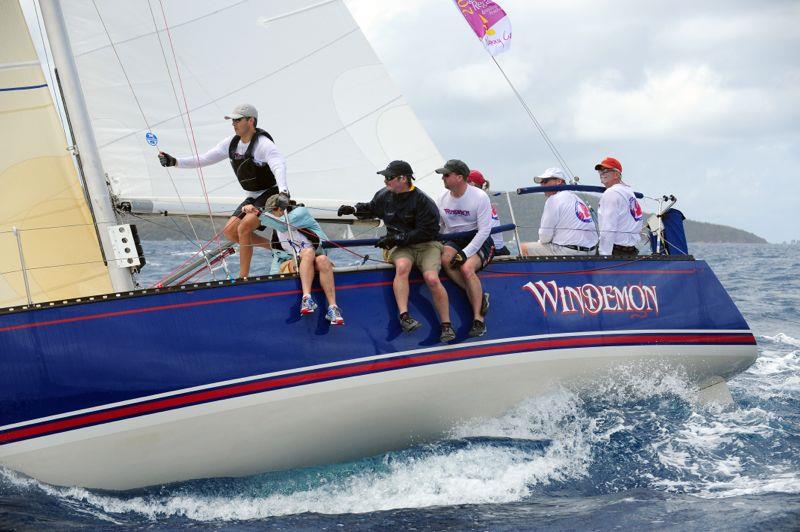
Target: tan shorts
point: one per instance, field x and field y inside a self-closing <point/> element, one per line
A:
<point x="426" y="256"/>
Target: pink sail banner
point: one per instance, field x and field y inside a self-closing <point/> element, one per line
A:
<point x="489" y="22"/>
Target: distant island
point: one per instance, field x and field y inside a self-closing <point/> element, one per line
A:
<point x="702" y="232"/>
<point x="528" y="211"/>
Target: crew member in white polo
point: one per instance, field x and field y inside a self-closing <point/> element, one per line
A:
<point x="619" y="214"/>
<point x="567" y="227"/>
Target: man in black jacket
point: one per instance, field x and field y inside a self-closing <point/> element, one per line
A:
<point x="412" y="228"/>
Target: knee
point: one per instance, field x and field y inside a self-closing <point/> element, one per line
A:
<point x="402" y="269"/>
<point x="431" y="279"/>
<point x="323" y="263"/>
<point x="467" y="271"/>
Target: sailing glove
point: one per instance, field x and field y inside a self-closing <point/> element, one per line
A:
<point x="166" y="159"/>
<point x="345" y="209"/>
<point x="390" y="241"/>
<point x="458" y="259"/>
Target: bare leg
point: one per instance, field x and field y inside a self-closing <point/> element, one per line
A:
<point x="247" y="239"/>
<point x="325" y="269"/>
<point x="453" y="273"/>
<point x="306" y="270"/>
<point x="440" y="301"/>
<point x="474" y="289"/>
<point x="400" y="283"/>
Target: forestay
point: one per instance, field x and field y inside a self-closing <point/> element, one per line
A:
<point x="320" y="90"/>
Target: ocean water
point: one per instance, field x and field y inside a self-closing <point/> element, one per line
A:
<point x="640" y="457"/>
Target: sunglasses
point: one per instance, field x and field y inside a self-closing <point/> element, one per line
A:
<point x="235" y="120"/>
<point x="386" y="179"/>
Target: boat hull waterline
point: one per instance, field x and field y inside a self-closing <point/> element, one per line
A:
<point x="230" y="380"/>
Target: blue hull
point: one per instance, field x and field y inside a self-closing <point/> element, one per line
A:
<point x="61" y="360"/>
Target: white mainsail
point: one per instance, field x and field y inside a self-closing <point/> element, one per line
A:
<point x="55" y="253"/>
<point x="320" y="90"/>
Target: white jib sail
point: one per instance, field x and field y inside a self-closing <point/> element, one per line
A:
<point x="54" y="253"/>
<point x="318" y="86"/>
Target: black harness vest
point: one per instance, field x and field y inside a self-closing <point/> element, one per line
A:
<point x="252" y="176"/>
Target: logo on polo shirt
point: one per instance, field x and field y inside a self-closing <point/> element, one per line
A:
<point x="456" y="212"/>
<point x="635" y="209"/>
<point x="582" y="212"/>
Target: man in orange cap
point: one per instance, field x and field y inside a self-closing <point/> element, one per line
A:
<point x="619" y="214"/>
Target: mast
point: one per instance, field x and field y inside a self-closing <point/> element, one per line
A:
<point x="83" y="134"/>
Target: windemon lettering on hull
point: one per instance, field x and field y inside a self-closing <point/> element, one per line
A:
<point x="592" y="299"/>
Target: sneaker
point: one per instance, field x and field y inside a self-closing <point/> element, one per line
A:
<point x="448" y="334"/>
<point x="334" y="315"/>
<point x="478" y="329"/>
<point x="485" y="304"/>
<point x="408" y="323"/>
<point x="307" y="305"/>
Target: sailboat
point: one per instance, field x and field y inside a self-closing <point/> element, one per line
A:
<point x="107" y="385"/>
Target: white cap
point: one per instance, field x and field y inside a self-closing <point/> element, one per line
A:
<point x="551" y="173"/>
<point x="241" y="110"/>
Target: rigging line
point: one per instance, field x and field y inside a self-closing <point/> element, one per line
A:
<point x="234" y="91"/>
<point x="136" y="98"/>
<point x="176" y="228"/>
<point x="542" y="132"/>
<point x="190" y="21"/>
<point x="188" y="116"/>
<point x="325" y="137"/>
<point x="183" y="121"/>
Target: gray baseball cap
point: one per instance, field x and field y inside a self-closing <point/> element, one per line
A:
<point x="455" y="166"/>
<point x="242" y="110"/>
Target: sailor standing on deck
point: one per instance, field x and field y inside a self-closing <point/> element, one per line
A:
<point x="566" y="227"/>
<point x="464" y="208"/>
<point x="619" y="214"/>
<point x="260" y="169"/>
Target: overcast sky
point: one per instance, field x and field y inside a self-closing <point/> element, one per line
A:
<point x="696" y="99"/>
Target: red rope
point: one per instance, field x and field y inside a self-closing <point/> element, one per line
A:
<point x="189" y="119"/>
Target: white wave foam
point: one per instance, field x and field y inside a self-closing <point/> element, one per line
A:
<point x="479" y="473"/>
<point x="782" y="338"/>
<point x="699" y="455"/>
<point x="774" y="374"/>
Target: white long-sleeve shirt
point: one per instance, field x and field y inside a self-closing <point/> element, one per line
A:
<point x="567" y="221"/>
<point x="620" y="217"/>
<point x="472" y="211"/>
<point x="264" y="152"/>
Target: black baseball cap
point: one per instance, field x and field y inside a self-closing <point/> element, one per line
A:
<point x="455" y="166"/>
<point x="396" y="168"/>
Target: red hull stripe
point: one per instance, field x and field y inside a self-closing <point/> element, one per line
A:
<point x="250" y="297"/>
<point x="285" y="381"/>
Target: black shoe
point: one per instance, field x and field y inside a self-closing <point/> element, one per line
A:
<point x="485" y="304"/>
<point x="408" y="323"/>
<point x="478" y="329"/>
<point x="448" y="334"/>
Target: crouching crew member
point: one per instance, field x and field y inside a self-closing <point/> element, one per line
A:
<point x="412" y="228"/>
<point x="260" y="169"/>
